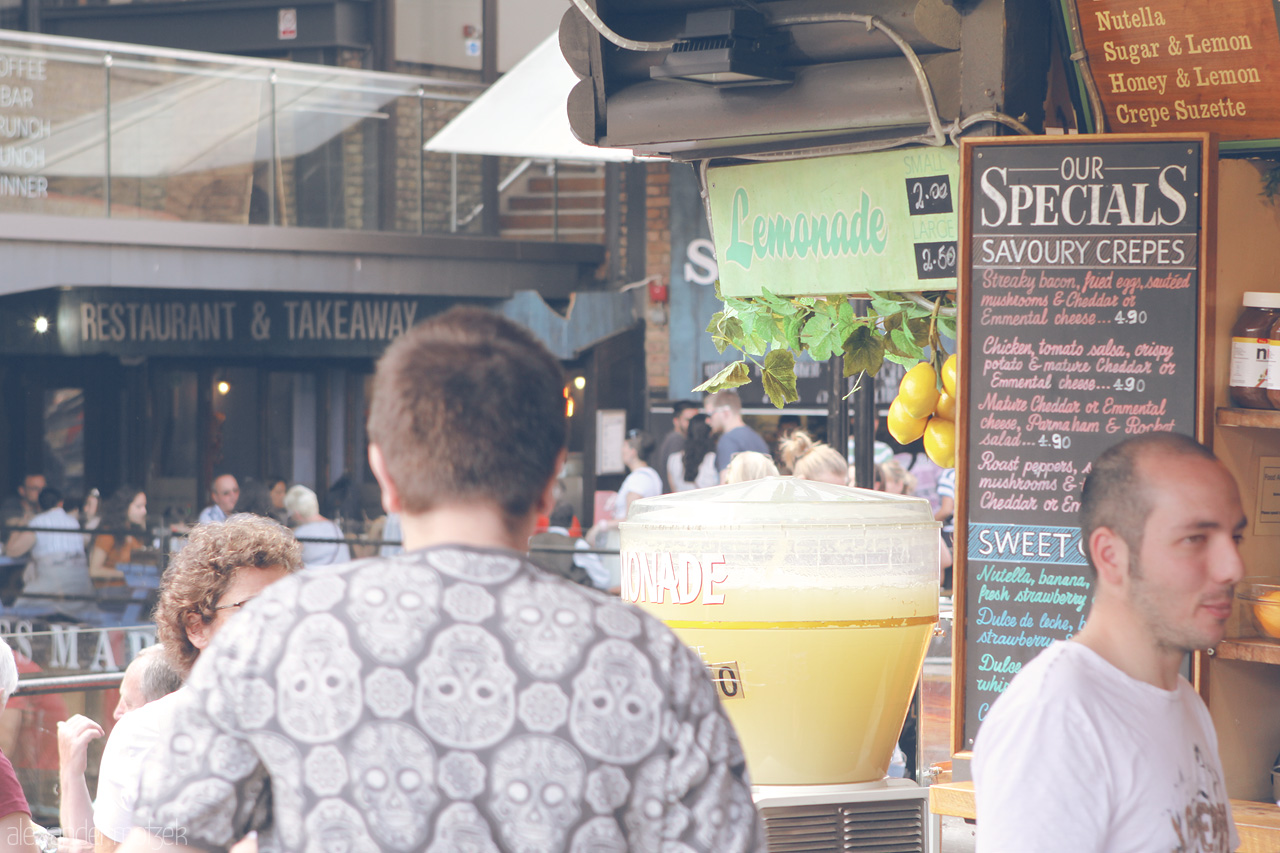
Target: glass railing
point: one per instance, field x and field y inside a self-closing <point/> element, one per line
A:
<point x="99" y="129"/>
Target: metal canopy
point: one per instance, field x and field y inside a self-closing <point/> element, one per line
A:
<point x="524" y="115"/>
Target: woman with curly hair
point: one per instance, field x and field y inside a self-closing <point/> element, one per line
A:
<point x="223" y="566"/>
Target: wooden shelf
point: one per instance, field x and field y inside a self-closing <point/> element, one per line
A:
<point x="1253" y="649"/>
<point x="1261" y="418"/>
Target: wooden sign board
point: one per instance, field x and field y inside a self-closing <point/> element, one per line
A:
<point x="1082" y="298"/>
<point x="1185" y="65"/>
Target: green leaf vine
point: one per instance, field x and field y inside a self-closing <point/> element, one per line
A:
<point x="770" y="331"/>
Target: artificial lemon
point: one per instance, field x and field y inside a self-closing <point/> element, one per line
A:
<point x="949" y="376"/>
<point x="918" y="390"/>
<point x="946" y="408"/>
<point x="1268" y="614"/>
<point x="940" y="442"/>
<point x="904" y="428"/>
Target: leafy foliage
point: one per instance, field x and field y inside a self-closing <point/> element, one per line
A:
<point x="777" y="328"/>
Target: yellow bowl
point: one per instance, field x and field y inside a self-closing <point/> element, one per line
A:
<point x="1262" y="598"/>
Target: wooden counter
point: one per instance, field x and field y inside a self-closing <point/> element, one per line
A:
<point x="1257" y="823"/>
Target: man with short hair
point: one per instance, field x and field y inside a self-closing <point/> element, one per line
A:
<point x="148" y="677"/>
<point x="56" y="578"/>
<point x="682" y="411"/>
<point x="225" y="493"/>
<point x="41" y="542"/>
<point x="455" y="696"/>
<point x="724" y="415"/>
<point x="223" y="567"/>
<point x="1099" y="744"/>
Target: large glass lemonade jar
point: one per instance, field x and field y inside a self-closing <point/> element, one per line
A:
<point x="812" y="604"/>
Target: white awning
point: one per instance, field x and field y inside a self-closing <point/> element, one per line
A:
<point x="523" y="115"/>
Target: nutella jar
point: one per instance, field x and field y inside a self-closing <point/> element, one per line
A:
<point x="1251" y="350"/>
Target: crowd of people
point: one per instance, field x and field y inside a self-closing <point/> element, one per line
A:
<point x="74" y="551"/>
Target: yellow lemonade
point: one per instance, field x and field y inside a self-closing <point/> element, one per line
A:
<point x="816" y="705"/>
<point x="817" y="681"/>
<point x="812" y="606"/>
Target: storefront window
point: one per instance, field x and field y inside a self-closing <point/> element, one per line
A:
<point x="171" y="474"/>
<point x="64" y="438"/>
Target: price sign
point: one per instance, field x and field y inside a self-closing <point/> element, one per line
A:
<point x="1081" y="293"/>
<point x="929" y="195"/>
<point x="936" y="260"/>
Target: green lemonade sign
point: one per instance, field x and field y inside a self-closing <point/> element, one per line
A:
<point x="884" y="221"/>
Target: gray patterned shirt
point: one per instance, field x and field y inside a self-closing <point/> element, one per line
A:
<point x="451" y="699"/>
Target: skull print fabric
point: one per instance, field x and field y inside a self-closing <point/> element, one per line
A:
<point x="451" y="699"/>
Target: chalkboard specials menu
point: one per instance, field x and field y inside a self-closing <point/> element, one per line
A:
<point x="1081" y="297"/>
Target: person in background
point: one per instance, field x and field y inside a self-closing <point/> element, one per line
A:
<point x="814" y="460"/>
<point x="90" y="516"/>
<point x="946" y="511"/>
<point x="52" y="514"/>
<point x="698" y="456"/>
<point x="681" y="413"/>
<point x="455" y="697"/>
<point x="749" y="465"/>
<point x="304" y="509"/>
<point x="1099" y="743"/>
<point x="895" y="479"/>
<point x="225" y="492"/>
<point x="56" y="579"/>
<point x="277" y="488"/>
<point x="223" y="567"/>
<point x="724" y="413"/>
<point x="19" y="508"/>
<point x="553" y="550"/>
<point x="124" y="516"/>
<point x="147" y="678"/>
<point x="255" y="498"/>
<point x="642" y="482"/>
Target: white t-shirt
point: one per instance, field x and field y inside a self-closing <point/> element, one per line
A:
<point x="643" y="483"/>
<point x="1078" y="757"/>
<point x="706" y="476"/>
<point x="121" y="768"/>
<point x="49" y="544"/>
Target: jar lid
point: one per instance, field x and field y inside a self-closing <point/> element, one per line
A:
<point x="1257" y="299"/>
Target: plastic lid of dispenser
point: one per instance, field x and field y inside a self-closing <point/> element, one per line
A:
<point x="787" y="501"/>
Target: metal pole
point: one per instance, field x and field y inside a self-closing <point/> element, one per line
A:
<point x="864" y="420"/>
<point x="555" y="200"/>
<point x="422" y="163"/>
<point x="838" y="407"/>
<point x="453" y="194"/>
<point x="106" y="189"/>
<point x="275" y="150"/>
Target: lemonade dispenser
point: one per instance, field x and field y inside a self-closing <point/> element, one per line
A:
<point x="811" y="604"/>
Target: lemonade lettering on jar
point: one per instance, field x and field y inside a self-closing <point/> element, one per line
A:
<point x="812" y="606"/>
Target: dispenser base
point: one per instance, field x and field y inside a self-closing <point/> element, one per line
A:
<point x="891" y="815"/>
